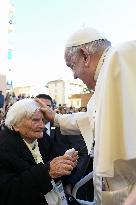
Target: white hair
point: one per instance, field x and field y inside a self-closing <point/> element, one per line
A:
<point x="19" y="110"/>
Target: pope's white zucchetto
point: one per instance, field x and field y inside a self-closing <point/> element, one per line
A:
<point x="83" y="36"/>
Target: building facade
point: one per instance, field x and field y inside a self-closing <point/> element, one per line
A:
<point x="61" y="90"/>
<point x="79" y="100"/>
<point x="5" y="28"/>
<point x="30" y="90"/>
<point x="4" y="14"/>
<point x="9" y="84"/>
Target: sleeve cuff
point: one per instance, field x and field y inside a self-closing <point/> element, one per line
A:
<point x="56" y="120"/>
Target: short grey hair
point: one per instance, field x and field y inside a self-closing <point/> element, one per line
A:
<point x="19" y="110"/>
<point x="92" y="47"/>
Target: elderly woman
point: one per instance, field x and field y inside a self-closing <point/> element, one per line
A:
<point x="25" y="177"/>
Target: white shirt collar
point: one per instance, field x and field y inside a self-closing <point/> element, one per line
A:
<point x="47" y="125"/>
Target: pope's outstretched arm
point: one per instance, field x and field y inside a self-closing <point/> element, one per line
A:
<point x="70" y="124"/>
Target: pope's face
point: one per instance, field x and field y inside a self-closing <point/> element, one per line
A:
<point x="81" y="71"/>
<point x="31" y="128"/>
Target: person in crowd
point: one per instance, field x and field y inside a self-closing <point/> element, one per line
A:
<point x="2" y="118"/>
<point x="25" y="175"/>
<point x="13" y="98"/>
<point x="19" y="97"/>
<point x="10" y="99"/>
<point x="58" y="144"/>
<point x="62" y="110"/>
<point x="1" y="99"/>
<point x="111" y="111"/>
<point x="82" y="109"/>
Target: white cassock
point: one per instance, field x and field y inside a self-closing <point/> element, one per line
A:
<point x="115" y="151"/>
<point x="115" y="125"/>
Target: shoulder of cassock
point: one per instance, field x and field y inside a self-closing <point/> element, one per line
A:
<point x="116" y="109"/>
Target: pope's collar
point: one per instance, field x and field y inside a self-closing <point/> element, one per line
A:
<point x="100" y="63"/>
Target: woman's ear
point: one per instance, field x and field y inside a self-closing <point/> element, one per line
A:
<point x="15" y="128"/>
<point x="85" y="54"/>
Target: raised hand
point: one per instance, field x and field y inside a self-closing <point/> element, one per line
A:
<point x="48" y="112"/>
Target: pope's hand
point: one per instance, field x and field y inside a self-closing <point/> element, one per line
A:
<point x="48" y="112"/>
<point x="62" y="165"/>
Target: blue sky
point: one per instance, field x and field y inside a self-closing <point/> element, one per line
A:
<point x="43" y="26"/>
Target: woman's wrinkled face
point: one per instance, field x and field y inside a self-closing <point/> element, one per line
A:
<point x="31" y="128"/>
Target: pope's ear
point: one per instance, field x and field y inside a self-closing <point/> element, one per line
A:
<point x="85" y="54"/>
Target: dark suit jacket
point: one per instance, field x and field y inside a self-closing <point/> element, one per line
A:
<point x="46" y="145"/>
<point x="57" y="144"/>
<point x="22" y="181"/>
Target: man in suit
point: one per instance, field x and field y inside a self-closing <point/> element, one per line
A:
<point x="25" y="175"/>
<point x="46" y="143"/>
<point x="58" y="144"/>
<point x="1" y="99"/>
